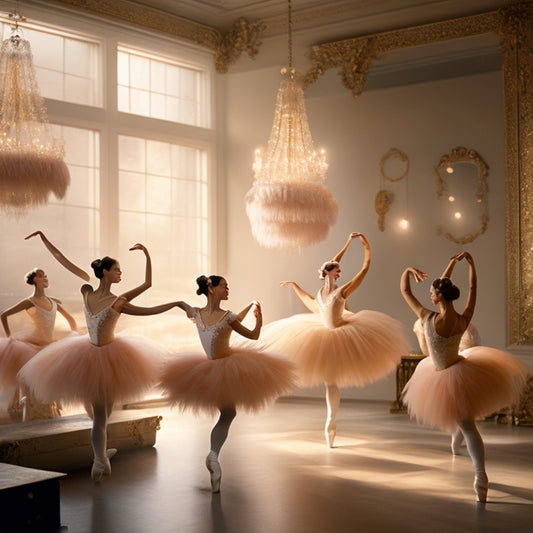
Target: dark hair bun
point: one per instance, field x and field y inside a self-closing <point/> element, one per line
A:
<point x="202" y="285"/>
<point x="448" y="290"/>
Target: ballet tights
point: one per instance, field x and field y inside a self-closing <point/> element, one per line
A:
<point x="219" y="434"/>
<point x="476" y="450"/>
<point x="333" y="398"/>
<point x="101" y="464"/>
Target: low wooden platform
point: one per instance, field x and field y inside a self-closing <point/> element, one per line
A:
<point x="29" y="500"/>
<point x="64" y="444"/>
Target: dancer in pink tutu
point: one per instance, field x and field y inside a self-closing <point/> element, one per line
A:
<point x="332" y="345"/>
<point x="229" y="378"/>
<point x="98" y="369"/>
<point x="450" y="390"/>
<point x="20" y="347"/>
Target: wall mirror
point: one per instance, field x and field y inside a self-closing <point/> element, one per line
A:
<point x="512" y="25"/>
<point x="462" y="193"/>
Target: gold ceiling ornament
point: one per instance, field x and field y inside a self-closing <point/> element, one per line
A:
<point x="243" y="37"/>
<point x="351" y="58"/>
<point x="288" y="205"/>
<point x="445" y="166"/>
<point x="31" y="159"/>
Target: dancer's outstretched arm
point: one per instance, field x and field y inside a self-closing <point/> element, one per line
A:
<point x="354" y="283"/>
<point x="133" y="293"/>
<point x="68" y="317"/>
<point x="76" y="270"/>
<point x="305" y="297"/>
<point x="20" y="306"/>
<point x="405" y="286"/>
<point x="472" y="292"/>
<point x="250" y="333"/>
<point x="123" y="306"/>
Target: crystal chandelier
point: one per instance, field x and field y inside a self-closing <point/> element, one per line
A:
<point x="288" y="205"/>
<point x="31" y="160"/>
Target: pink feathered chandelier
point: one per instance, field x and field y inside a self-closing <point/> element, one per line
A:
<point x="31" y="160"/>
<point x="289" y="206"/>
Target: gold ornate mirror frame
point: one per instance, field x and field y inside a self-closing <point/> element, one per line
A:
<point x="463" y="155"/>
<point x="514" y="26"/>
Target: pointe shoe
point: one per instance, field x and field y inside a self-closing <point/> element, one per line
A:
<point x="481" y="487"/>
<point x="331" y="432"/>
<point x="110" y="452"/>
<point x="213" y="466"/>
<point x="97" y="470"/>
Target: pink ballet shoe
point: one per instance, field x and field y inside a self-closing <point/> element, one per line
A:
<point x="481" y="487"/>
<point x="213" y="466"/>
<point x="331" y="432"/>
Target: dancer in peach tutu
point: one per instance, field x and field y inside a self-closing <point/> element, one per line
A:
<point x="332" y="345"/>
<point x="229" y="378"/>
<point x="450" y="390"/>
<point x="98" y="369"/>
<point x="20" y="347"/>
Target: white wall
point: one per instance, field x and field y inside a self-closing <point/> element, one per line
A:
<point x="425" y="121"/>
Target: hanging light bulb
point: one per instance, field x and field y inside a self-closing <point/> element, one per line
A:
<point x="289" y="206"/>
<point x="31" y="160"/>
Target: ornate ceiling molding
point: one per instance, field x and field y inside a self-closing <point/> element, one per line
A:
<point x="243" y="37"/>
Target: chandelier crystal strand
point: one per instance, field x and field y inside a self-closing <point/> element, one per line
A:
<point x="288" y="205"/>
<point x="31" y="160"/>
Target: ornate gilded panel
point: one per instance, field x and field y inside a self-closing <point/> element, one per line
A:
<point x="514" y="25"/>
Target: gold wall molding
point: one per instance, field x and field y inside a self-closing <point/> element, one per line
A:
<point x="244" y="36"/>
<point x="514" y="26"/>
<point x="464" y="155"/>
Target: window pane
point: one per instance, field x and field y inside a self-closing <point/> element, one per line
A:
<point x="174" y="92"/>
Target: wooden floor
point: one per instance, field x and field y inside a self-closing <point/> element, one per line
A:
<point x="386" y="474"/>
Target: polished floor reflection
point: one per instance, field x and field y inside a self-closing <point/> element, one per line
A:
<point x="385" y="474"/>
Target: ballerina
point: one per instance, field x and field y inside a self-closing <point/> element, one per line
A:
<point x="230" y="378"/>
<point x="19" y="347"/>
<point x="450" y="390"/>
<point x="98" y="369"/>
<point x="332" y="345"/>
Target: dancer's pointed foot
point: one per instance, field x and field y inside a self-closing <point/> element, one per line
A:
<point x="331" y="432"/>
<point x="481" y="486"/>
<point x="110" y="452"/>
<point x="97" y="470"/>
<point x="213" y="466"/>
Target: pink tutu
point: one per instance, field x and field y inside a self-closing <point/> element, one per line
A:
<point x="365" y="347"/>
<point x="73" y="370"/>
<point x="245" y="379"/>
<point x="480" y="383"/>
<point x="14" y="354"/>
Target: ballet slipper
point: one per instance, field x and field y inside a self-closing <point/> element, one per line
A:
<point x="331" y="432"/>
<point x="213" y="466"/>
<point x="481" y="486"/>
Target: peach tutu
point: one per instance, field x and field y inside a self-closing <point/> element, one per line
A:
<point x="244" y="379"/>
<point x="482" y="381"/>
<point x="14" y="354"/>
<point x="73" y="370"/>
<point x="362" y="349"/>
